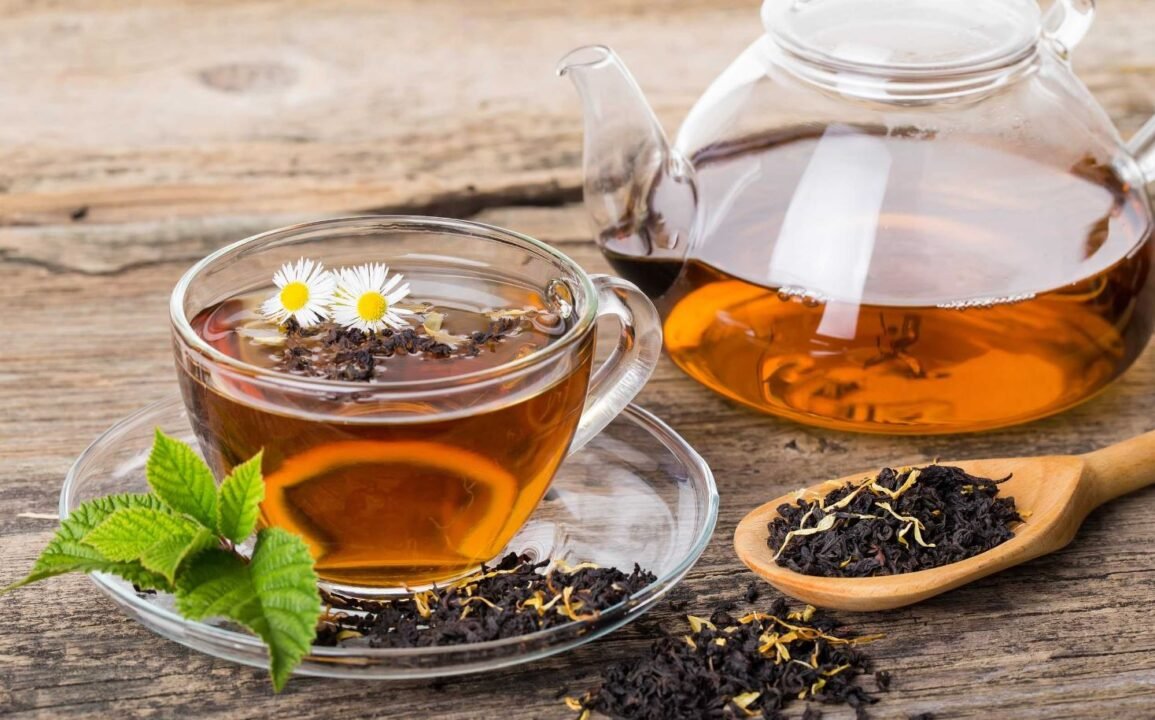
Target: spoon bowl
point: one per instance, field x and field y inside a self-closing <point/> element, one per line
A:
<point x="1054" y="493"/>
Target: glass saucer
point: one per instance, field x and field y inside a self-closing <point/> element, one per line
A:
<point x="636" y="493"/>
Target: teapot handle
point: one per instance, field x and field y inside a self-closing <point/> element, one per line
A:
<point x="1067" y="22"/>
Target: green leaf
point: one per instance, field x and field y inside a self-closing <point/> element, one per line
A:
<point x="166" y="556"/>
<point x="286" y="584"/>
<point x="139" y="576"/>
<point x="275" y="595"/>
<point x="182" y="480"/>
<point x="170" y="540"/>
<point x="239" y="499"/>
<point x="67" y="553"/>
<point x="157" y="539"/>
<point x="214" y="583"/>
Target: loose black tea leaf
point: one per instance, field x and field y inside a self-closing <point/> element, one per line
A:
<point x="753" y="665"/>
<point x="512" y="598"/>
<point x="752" y="592"/>
<point x="897" y="522"/>
<point x="882" y="678"/>
<point x="337" y="353"/>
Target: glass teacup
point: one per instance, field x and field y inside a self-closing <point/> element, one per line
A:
<point x="417" y="476"/>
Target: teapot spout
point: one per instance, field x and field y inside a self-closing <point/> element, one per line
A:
<point x="1142" y="148"/>
<point x="639" y="192"/>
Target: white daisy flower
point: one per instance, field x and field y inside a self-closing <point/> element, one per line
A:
<point x="304" y="292"/>
<point x="367" y="297"/>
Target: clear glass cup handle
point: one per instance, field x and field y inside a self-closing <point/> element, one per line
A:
<point x="1067" y="22"/>
<point x="639" y="345"/>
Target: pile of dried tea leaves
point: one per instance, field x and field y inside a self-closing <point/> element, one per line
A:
<point x="333" y="352"/>
<point x="896" y="522"/>
<point x="753" y="665"/>
<point x="512" y="598"/>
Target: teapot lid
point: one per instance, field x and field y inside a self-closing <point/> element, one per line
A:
<point x="905" y="36"/>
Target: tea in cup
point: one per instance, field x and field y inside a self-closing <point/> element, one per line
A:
<point x="414" y="384"/>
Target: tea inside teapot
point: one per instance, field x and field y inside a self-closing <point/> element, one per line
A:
<point x="910" y="282"/>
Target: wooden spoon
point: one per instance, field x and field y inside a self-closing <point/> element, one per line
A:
<point x="1057" y="493"/>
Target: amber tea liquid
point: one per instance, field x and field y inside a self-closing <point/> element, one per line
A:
<point x="385" y="503"/>
<point x="908" y="285"/>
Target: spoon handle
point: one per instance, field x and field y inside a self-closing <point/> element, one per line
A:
<point x="1122" y="468"/>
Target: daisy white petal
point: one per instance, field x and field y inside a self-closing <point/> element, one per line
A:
<point x="397" y="295"/>
<point x="392" y="283"/>
<point x="304" y="291"/>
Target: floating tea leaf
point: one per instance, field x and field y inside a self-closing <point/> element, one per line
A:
<point x="328" y="350"/>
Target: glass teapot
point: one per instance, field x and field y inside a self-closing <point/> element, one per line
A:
<point x="899" y="216"/>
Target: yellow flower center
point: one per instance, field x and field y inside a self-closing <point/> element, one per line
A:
<point x="295" y="296"/>
<point x="372" y="306"/>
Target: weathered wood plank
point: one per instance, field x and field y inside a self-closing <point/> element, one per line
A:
<point x="138" y="111"/>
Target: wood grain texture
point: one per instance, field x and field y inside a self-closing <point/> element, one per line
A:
<point x="150" y="110"/>
<point x="145" y="134"/>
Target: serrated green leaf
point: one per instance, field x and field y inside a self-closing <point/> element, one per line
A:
<point x="286" y="584"/>
<point x="67" y="553"/>
<point x="167" y="554"/>
<point x="139" y="576"/>
<point x="239" y="499"/>
<point x="275" y="595"/>
<point x="182" y="480"/>
<point x="157" y="539"/>
<point x="215" y="583"/>
<point x="166" y="542"/>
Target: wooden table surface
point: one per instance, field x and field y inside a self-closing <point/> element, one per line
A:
<point x="135" y="137"/>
